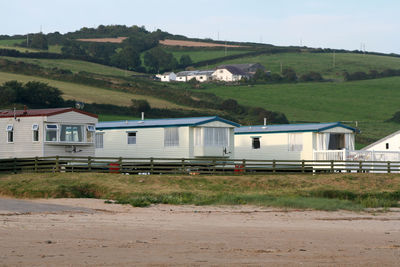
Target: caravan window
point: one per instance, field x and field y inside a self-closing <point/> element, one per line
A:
<point x="35" y="132"/>
<point x="71" y="133"/>
<point x="10" y="133"/>
<point x="131" y="138"/>
<point x="171" y="136"/>
<point x="295" y="142"/>
<point x="336" y="141"/>
<point x="99" y="140"/>
<point x="90" y="131"/>
<point x="216" y="136"/>
<point x="51" y="132"/>
<point x="255" y="143"/>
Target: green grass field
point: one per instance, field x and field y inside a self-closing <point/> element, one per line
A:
<point x="197" y="56"/>
<point x="11" y="42"/>
<point x="301" y="191"/>
<point x="321" y="62"/>
<point x="74" y="66"/>
<point x="89" y="94"/>
<point x="369" y="102"/>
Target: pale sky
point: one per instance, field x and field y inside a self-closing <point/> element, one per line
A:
<point x="325" y="23"/>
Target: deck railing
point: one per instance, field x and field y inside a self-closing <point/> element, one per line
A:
<point x="191" y="166"/>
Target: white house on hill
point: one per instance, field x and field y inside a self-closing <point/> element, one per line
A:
<point x="46" y="132"/>
<point x="199" y="75"/>
<point x="292" y="141"/>
<point x="166" y="138"/>
<point x="229" y="74"/>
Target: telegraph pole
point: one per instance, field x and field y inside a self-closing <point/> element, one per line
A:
<point x="334" y="59"/>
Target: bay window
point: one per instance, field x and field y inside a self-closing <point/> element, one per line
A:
<point x="71" y="133"/>
<point x="51" y="132"/>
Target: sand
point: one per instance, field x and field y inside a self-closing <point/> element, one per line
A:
<point x="120" y="235"/>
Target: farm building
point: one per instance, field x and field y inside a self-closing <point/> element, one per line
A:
<point x="167" y="77"/>
<point x="248" y="68"/>
<point x="46" y="132"/>
<point x="229" y="74"/>
<point x="293" y="141"/>
<point x="166" y="138"/>
<point x="199" y="75"/>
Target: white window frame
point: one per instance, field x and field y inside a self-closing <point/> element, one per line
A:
<point x="96" y="142"/>
<point x="52" y="130"/>
<point x="76" y="142"/>
<point x="92" y="130"/>
<point x="133" y="140"/>
<point x="168" y="140"/>
<point x="35" y="128"/>
<point x="10" y="131"/>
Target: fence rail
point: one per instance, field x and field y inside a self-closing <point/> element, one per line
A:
<point x="189" y="165"/>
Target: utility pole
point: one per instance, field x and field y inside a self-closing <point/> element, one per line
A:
<point x="281" y="67"/>
<point x="27" y="39"/>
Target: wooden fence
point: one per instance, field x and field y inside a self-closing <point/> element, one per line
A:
<point x="189" y="166"/>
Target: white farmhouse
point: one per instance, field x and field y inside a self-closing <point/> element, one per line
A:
<point x="229" y="74"/>
<point x="46" y="132"/>
<point x="167" y="77"/>
<point x="390" y="143"/>
<point x="166" y="138"/>
<point x="293" y="141"/>
<point x="199" y="75"/>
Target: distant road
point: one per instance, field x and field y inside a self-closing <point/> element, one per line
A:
<point x="25" y="206"/>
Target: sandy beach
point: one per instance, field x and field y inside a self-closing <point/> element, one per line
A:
<point x="121" y="235"/>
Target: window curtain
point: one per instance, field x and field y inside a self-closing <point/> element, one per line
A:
<point x="323" y="141"/>
<point x="295" y="142"/>
<point x="171" y="137"/>
<point x="197" y="136"/>
<point x="216" y="136"/>
<point x="349" y="139"/>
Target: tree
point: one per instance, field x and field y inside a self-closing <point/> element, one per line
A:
<point x="185" y="61"/>
<point x="7" y="96"/>
<point x="127" y="58"/>
<point x="157" y="60"/>
<point x="231" y="105"/>
<point x="39" y="41"/>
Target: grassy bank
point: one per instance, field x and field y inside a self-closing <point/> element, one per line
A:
<point x="323" y="192"/>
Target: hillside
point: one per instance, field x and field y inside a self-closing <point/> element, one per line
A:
<point x="369" y="102"/>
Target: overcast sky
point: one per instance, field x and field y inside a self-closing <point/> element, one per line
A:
<point x="325" y="23"/>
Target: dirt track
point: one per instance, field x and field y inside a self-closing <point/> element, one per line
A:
<point x="116" y="235"/>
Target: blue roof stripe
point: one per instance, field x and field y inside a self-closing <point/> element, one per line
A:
<point x="153" y="123"/>
<point x="284" y="128"/>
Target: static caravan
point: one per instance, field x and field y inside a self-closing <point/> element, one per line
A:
<point x="166" y="138"/>
<point x="46" y="132"/>
<point x="294" y="141"/>
<point x="385" y="149"/>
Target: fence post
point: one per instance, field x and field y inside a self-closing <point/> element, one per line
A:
<point x="57" y="163"/>
<point x="183" y="166"/>
<point x="244" y="166"/>
<point x="36" y="164"/>
<point x="90" y="163"/>
<point x="274" y="166"/>
<point x="120" y="164"/>
<point x="15" y="165"/>
<point x="151" y="165"/>
<point x="302" y="166"/>
<point x="388" y="167"/>
<point x="332" y="169"/>
<point x="360" y="166"/>
<point x="214" y="167"/>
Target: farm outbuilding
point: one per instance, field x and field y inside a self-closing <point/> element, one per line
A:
<point x="293" y="141"/>
<point x="166" y="138"/>
<point x="229" y="74"/>
<point x="167" y="76"/>
<point x="46" y="132"/>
